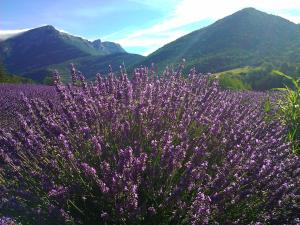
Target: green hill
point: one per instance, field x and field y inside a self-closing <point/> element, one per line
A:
<point x="257" y="78"/>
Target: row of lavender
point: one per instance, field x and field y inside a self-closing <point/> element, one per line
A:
<point x="167" y="150"/>
<point x="11" y="100"/>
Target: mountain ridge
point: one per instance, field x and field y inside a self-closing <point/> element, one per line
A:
<point x="45" y="46"/>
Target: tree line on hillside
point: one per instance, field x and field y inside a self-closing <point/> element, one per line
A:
<point x="259" y="78"/>
<point x="9" y="78"/>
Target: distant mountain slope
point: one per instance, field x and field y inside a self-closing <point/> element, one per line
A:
<point x="247" y="37"/>
<point x="45" y="46"/>
<point x="89" y="66"/>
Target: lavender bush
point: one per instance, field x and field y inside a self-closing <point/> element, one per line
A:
<point x="8" y="221"/>
<point x="168" y="150"/>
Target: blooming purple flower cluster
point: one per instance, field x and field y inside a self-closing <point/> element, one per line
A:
<point x="167" y="150"/>
<point x="7" y="221"/>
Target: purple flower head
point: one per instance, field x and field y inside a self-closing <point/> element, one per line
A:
<point x="8" y="221"/>
<point x="152" y="210"/>
<point x="59" y="191"/>
<point x="88" y="170"/>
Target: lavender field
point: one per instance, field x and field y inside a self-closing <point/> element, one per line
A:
<point x="150" y="150"/>
<point x="12" y="103"/>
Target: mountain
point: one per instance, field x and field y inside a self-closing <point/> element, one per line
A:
<point x="44" y="46"/>
<point x="89" y="66"/>
<point x="246" y="38"/>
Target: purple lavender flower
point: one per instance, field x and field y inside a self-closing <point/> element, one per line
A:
<point x="8" y="221"/>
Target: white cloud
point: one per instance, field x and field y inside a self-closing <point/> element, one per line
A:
<point x="5" y="34"/>
<point x="64" y="31"/>
<point x="295" y="19"/>
<point x="188" y="12"/>
<point x="60" y="30"/>
<point x="152" y="41"/>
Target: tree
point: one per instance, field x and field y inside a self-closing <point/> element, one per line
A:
<point x="2" y="72"/>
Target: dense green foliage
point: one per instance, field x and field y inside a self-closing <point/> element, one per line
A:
<point x="289" y="110"/>
<point x="246" y="38"/>
<point x="6" y="78"/>
<point x="257" y="78"/>
<point x="233" y="82"/>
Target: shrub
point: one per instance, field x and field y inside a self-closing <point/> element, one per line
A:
<point x="168" y="150"/>
<point x="233" y="82"/>
<point x="289" y="110"/>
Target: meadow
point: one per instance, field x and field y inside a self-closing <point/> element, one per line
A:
<point x="167" y="149"/>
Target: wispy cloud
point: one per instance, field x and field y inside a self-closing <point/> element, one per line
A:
<point x="187" y="12"/>
<point x="5" y="34"/>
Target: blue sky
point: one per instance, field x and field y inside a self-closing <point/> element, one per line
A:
<point x="140" y="26"/>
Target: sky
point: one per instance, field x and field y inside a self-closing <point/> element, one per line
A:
<point x="140" y="26"/>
